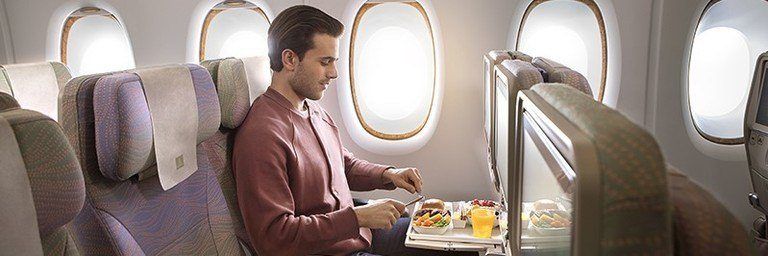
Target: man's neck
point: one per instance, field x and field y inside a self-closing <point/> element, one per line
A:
<point x="282" y="87"/>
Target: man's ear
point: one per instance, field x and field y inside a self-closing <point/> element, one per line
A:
<point x="290" y="59"/>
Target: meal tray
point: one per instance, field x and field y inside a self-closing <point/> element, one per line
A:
<point x="458" y="235"/>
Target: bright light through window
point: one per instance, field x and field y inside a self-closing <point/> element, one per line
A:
<point x="560" y="44"/>
<point x="393" y="69"/>
<point x="393" y="88"/>
<point x="98" y="44"/>
<point x="718" y="81"/>
<point x="244" y="44"/>
<point x="238" y="32"/>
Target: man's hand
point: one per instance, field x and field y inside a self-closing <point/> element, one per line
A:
<point x="405" y="178"/>
<point x="379" y="214"/>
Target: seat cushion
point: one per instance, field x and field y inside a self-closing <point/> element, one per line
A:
<point x="558" y="73"/>
<point x="7" y="101"/>
<point x="238" y="82"/>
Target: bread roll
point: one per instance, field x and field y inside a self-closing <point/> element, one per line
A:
<point x="544" y="204"/>
<point x="433" y="204"/>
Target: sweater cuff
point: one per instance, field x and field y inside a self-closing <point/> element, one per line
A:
<point x="385" y="184"/>
<point x="345" y="223"/>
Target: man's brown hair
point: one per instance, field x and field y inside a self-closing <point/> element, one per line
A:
<point x="294" y="28"/>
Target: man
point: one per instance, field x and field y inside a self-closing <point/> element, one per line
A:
<point x="293" y="175"/>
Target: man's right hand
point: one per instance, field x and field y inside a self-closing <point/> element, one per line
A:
<point x="378" y="214"/>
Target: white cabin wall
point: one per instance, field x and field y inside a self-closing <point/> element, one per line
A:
<point x="6" y="48"/>
<point x="453" y="162"/>
<point x="728" y="181"/>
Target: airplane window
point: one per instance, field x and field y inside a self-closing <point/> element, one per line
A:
<point x="234" y="29"/>
<point x="723" y="51"/>
<point x="94" y="41"/>
<point x="392" y="67"/>
<point x="570" y="32"/>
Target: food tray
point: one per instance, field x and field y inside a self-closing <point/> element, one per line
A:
<point x="463" y="235"/>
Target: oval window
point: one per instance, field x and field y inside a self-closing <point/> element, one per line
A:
<point x="570" y="32"/>
<point x="94" y="41"/>
<point x="392" y="68"/>
<point x="234" y="29"/>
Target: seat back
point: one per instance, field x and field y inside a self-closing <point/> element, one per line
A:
<point x="634" y="215"/>
<point x="35" y="85"/>
<point x="108" y="121"/>
<point x="233" y="85"/>
<point x="51" y="172"/>
<point x="558" y="73"/>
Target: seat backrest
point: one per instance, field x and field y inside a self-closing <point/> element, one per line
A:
<point x="635" y="216"/>
<point x="232" y="84"/>
<point x="701" y="224"/>
<point x="54" y="175"/>
<point x="35" y="85"/>
<point x="558" y="73"/>
<point x="108" y="121"/>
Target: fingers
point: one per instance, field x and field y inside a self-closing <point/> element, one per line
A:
<point x="399" y="206"/>
<point x="407" y="186"/>
<point x="415" y="180"/>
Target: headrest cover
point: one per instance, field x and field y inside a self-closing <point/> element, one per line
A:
<point x="123" y="127"/>
<point x="35" y="86"/>
<point x="7" y="101"/>
<point x="238" y="82"/>
<point x="53" y="169"/>
<point x="558" y="73"/>
<point x="526" y="74"/>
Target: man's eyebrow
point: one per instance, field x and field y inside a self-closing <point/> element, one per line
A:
<point x="329" y="58"/>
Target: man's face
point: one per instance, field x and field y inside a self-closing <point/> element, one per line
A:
<point x="314" y="73"/>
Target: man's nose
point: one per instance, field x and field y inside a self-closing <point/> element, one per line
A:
<point x="332" y="73"/>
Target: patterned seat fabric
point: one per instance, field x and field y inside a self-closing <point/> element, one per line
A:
<point x="701" y="225"/>
<point x="107" y="121"/>
<point x="526" y="75"/>
<point x="54" y="174"/>
<point x="517" y="55"/>
<point x="7" y="101"/>
<point x="35" y="85"/>
<point x="232" y="84"/>
<point x="636" y="210"/>
<point x="557" y="73"/>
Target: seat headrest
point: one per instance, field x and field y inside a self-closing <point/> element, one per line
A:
<point x="35" y="85"/>
<point x="238" y="82"/>
<point x="526" y="74"/>
<point x="54" y="172"/>
<point x="123" y="125"/>
<point x="7" y="101"/>
<point x="517" y="55"/>
<point x="558" y="73"/>
<point x="631" y="169"/>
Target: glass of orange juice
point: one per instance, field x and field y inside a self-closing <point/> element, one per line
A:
<point x="482" y="222"/>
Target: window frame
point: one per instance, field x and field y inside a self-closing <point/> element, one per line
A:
<point x="710" y="138"/>
<point x="592" y="5"/>
<point x="219" y="8"/>
<point x="358" y="17"/>
<point x="72" y="18"/>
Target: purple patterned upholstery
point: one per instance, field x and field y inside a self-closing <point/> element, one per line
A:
<point x="54" y="173"/>
<point x="7" y="101"/>
<point x="127" y="216"/>
<point x="558" y="73"/>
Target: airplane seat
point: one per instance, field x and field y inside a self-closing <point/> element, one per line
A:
<point x="238" y="82"/>
<point x="46" y="171"/>
<point x="701" y="225"/>
<point x="525" y="74"/>
<point x="7" y="101"/>
<point x="108" y="120"/>
<point x="647" y="205"/>
<point x="35" y="85"/>
<point x="558" y="73"/>
<point x="518" y="55"/>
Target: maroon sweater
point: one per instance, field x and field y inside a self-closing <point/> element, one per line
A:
<point x="294" y="179"/>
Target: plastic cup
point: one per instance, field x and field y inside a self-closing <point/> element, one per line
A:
<point x="482" y="222"/>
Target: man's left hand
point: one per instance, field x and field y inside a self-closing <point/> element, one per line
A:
<point x="405" y="178"/>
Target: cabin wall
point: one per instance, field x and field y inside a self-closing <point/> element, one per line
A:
<point x="728" y="181"/>
<point x="6" y="49"/>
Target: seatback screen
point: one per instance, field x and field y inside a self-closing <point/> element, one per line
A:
<point x="502" y="137"/>
<point x="762" y="110"/>
<point x="547" y="193"/>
